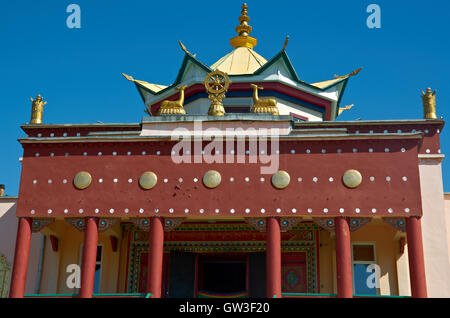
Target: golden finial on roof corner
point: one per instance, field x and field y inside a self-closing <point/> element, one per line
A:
<point x="285" y="43"/>
<point x="429" y="104"/>
<point x="243" y="29"/>
<point x="37" y="110"/>
<point x="352" y="73"/>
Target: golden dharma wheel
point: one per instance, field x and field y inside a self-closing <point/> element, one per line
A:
<point x="352" y="178"/>
<point x="212" y="179"/>
<point x="82" y="180"/>
<point x="148" y="180"/>
<point x="217" y="82"/>
<point x="281" y="179"/>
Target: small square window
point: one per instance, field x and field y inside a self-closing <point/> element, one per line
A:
<point x="363" y="253"/>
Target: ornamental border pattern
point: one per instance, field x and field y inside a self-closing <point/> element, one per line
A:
<point x="139" y="247"/>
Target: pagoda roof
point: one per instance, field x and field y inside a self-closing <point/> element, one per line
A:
<point x="242" y="60"/>
<point x="244" y="65"/>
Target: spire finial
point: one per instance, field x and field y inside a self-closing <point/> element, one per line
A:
<point x="243" y="30"/>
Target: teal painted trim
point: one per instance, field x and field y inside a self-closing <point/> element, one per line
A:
<point x="341" y="93"/>
<point x="122" y="294"/>
<point x="282" y="55"/>
<point x="149" y="295"/>
<point x="51" y="295"/>
<point x="307" y="294"/>
<point x="335" y="295"/>
<point x="94" y="295"/>
<point x="138" y="87"/>
<point x="188" y="57"/>
<point x="381" y="296"/>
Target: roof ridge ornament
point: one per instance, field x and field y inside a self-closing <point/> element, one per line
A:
<point x="352" y="73"/>
<point x="243" y="29"/>
<point x="183" y="47"/>
<point x="216" y="84"/>
<point x="285" y="43"/>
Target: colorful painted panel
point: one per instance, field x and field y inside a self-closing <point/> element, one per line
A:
<point x="299" y="250"/>
<point x="294" y="276"/>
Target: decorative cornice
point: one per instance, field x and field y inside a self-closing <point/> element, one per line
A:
<point x="325" y="223"/>
<point x="103" y="224"/>
<point x="257" y="223"/>
<point x="286" y="224"/>
<point x="39" y="224"/>
<point x="357" y="223"/>
<point x="171" y="223"/>
<point x="398" y="223"/>
<point x="430" y="158"/>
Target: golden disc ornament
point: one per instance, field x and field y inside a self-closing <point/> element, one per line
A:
<point x="212" y="179"/>
<point x="352" y="178"/>
<point x="82" y="180"/>
<point x="281" y="179"/>
<point x="148" y="180"/>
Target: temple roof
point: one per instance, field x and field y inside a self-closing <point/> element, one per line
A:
<point x="153" y="87"/>
<point x="242" y="60"/>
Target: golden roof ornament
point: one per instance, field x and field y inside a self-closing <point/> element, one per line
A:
<point x="216" y="84"/>
<point x="263" y="105"/>
<point x="342" y="109"/>
<point x="169" y="107"/>
<point x="243" y="29"/>
<point x="429" y="104"/>
<point x="37" y="110"/>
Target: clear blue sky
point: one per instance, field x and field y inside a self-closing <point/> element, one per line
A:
<point x="78" y="71"/>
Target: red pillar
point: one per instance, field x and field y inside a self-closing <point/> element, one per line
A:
<point x="273" y="258"/>
<point x="155" y="257"/>
<point x="343" y="258"/>
<point x="21" y="254"/>
<point x="89" y="257"/>
<point x="416" y="258"/>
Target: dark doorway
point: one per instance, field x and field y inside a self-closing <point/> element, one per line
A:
<point x="223" y="275"/>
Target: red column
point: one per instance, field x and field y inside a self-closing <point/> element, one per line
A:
<point x="343" y="258"/>
<point x="19" y="273"/>
<point x="89" y="257"/>
<point x="155" y="257"/>
<point x="416" y="258"/>
<point x="273" y="258"/>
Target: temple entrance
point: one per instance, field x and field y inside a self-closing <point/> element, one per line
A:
<point x="222" y="276"/>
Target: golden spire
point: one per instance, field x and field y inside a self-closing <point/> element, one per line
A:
<point x="243" y="29"/>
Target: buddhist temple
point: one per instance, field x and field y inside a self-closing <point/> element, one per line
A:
<point x="239" y="182"/>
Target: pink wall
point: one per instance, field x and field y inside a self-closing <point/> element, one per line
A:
<point x="8" y="228"/>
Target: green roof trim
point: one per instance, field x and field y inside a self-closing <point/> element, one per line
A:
<point x="188" y="57"/>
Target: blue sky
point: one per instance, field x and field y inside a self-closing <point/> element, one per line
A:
<point x="78" y="71"/>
